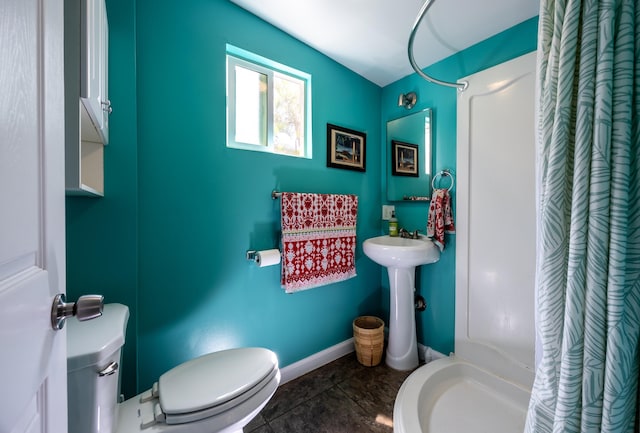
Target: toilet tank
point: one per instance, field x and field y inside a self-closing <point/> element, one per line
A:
<point x="93" y="370"/>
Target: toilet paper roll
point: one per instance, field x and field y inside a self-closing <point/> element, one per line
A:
<point x="268" y="258"/>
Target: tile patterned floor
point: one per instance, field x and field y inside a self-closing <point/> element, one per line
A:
<point x="341" y="397"/>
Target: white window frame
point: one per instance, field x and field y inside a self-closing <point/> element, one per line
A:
<point x="239" y="57"/>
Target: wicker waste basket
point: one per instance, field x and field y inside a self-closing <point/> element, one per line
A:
<point x="368" y="337"/>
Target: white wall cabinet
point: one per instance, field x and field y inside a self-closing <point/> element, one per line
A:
<point x="87" y="105"/>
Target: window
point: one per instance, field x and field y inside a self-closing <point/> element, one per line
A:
<point x="268" y="105"/>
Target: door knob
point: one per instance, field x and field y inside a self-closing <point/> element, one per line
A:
<point x="87" y="307"/>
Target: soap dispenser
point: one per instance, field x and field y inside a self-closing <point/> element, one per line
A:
<point x="393" y="225"/>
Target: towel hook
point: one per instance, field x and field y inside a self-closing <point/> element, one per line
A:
<point x="442" y="173"/>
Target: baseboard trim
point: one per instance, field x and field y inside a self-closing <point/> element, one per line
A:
<point x="310" y="363"/>
<point x="427" y="354"/>
<point x="317" y="360"/>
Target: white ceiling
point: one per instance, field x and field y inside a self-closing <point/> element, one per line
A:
<point x="370" y="37"/>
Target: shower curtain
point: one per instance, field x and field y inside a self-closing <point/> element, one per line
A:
<point x="588" y="192"/>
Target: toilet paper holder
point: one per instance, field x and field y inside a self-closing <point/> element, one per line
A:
<point x="253" y="255"/>
<point x="264" y="258"/>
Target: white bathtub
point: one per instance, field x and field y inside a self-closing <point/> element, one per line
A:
<point x="450" y="395"/>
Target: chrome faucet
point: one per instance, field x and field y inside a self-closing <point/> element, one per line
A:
<point x="404" y="233"/>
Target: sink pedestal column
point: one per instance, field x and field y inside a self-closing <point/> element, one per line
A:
<point x="402" y="348"/>
<point x="401" y="256"/>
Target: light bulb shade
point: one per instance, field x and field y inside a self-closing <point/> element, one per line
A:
<point x="407" y="100"/>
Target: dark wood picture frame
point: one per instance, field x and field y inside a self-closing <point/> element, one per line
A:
<point x="404" y="159"/>
<point x="346" y="148"/>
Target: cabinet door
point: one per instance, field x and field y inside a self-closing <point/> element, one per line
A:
<point x="94" y="87"/>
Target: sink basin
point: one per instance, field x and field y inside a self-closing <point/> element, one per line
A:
<point x="401" y="256"/>
<point x="397" y="252"/>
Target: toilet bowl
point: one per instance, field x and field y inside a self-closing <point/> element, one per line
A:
<point x="217" y="392"/>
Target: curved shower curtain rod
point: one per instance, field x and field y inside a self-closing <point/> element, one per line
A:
<point x="460" y="86"/>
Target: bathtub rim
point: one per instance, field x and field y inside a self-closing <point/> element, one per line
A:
<point x="406" y="415"/>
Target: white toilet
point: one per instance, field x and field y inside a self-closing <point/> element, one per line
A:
<point x="218" y="392"/>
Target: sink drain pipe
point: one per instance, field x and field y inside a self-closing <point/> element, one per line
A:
<point x="418" y="301"/>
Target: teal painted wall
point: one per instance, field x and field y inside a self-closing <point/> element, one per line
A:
<point x="180" y="209"/>
<point x="436" y="283"/>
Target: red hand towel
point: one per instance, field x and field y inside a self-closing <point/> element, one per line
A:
<point x="318" y="239"/>
<point x="440" y="220"/>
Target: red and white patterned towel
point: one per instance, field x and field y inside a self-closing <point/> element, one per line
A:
<point x="440" y="219"/>
<point x="318" y="239"/>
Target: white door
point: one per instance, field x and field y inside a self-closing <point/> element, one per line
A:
<point x="32" y="254"/>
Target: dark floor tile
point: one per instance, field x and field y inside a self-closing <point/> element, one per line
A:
<point x="341" y="397"/>
<point x="329" y="412"/>
<point x="299" y="390"/>
<point x="262" y="429"/>
<point x="256" y="424"/>
<point x="343" y="368"/>
<point x="375" y="390"/>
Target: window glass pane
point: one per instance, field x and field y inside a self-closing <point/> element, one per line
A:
<point x="288" y="117"/>
<point x="251" y="106"/>
<point x="268" y="105"/>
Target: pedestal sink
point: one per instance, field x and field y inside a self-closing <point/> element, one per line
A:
<point x="400" y="256"/>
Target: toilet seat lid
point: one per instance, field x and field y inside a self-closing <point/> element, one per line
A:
<point x="213" y="379"/>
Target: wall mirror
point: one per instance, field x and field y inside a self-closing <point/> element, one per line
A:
<point x="409" y="157"/>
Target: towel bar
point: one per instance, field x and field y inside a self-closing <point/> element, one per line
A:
<point x="443" y="173"/>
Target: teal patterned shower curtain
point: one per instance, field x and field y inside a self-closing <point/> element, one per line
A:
<point x="588" y="248"/>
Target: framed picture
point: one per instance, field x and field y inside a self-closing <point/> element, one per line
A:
<point x="346" y="148"/>
<point x="404" y="159"/>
